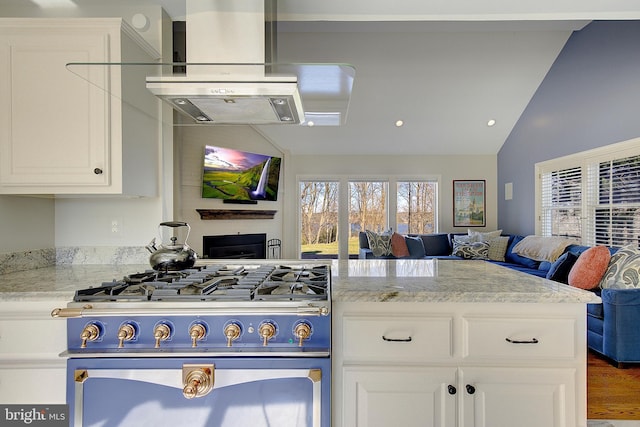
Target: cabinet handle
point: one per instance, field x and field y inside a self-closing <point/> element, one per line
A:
<point x="470" y="389"/>
<point x="97" y="171"/>
<point x="397" y="339"/>
<point x="452" y="389"/>
<point x="531" y="341"/>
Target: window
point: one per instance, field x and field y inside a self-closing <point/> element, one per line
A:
<point x="319" y="219"/>
<point x="367" y="209"/>
<point x="561" y="212"/>
<point x="416" y="207"/>
<point x="329" y="230"/>
<point x="615" y="201"/>
<point x="592" y="196"/>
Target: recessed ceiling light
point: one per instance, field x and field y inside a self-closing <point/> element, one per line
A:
<point x="399" y="123"/>
<point x="491" y="122"/>
<point x="310" y="123"/>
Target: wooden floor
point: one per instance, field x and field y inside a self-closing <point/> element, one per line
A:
<point x="612" y="393"/>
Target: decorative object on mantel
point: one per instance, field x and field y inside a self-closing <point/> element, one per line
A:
<point x="235" y="214"/>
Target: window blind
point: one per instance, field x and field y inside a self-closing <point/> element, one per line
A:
<point x="561" y="202"/>
<point x="614" y="202"/>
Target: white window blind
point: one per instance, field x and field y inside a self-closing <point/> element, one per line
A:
<point x="613" y="202"/>
<point x="561" y="202"/>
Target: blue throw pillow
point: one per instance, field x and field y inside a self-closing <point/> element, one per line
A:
<point x="560" y="269"/>
<point x="436" y="244"/>
<point x="415" y="246"/>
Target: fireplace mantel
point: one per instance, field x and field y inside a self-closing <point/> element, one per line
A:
<point x="235" y="214"/>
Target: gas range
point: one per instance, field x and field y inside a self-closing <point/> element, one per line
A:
<point x="215" y="309"/>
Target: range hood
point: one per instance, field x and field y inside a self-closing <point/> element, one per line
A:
<point x="231" y="76"/>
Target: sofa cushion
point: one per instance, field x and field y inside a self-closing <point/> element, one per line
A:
<point x="623" y="271"/>
<point x="514" y="258"/>
<point x="379" y="243"/>
<point x="483" y="236"/>
<point x="560" y="269"/>
<point x="470" y="250"/>
<point x="363" y="240"/>
<point x="588" y="270"/>
<point x="415" y="247"/>
<point x="497" y="248"/>
<point x="436" y="244"/>
<point x="399" y="246"/>
<point x="542" y="248"/>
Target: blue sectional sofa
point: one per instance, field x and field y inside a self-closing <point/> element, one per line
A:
<point x="612" y="326"/>
<point x="440" y="246"/>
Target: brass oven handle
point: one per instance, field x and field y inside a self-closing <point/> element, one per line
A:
<point x="197" y="380"/>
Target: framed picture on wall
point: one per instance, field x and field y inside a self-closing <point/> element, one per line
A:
<point x="469" y="201"/>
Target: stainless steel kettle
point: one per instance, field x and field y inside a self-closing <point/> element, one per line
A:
<point x="175" y="256"/>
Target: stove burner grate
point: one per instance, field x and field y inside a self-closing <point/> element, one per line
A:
<point x="215" y="282"/>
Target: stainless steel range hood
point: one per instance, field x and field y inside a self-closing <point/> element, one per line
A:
<point x="228" y="79"/>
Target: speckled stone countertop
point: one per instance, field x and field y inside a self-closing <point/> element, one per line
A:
<point x="59" y="283"/>
<point x="353" y="281"/>
<point x="445" y="281"/>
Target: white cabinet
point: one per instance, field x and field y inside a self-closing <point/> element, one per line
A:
<point x="31" y="370"/>
<point x="523" y="397"/>
<point x="407" y="397"/>
<point x="459" y="365"/>
<point x="76" y="129"/>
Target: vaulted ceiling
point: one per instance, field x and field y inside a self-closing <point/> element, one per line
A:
<point x="445" y="68"/>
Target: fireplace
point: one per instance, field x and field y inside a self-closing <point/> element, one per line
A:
<point x="235" y="246"/>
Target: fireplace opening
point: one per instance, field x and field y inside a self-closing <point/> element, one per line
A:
<point x="235" y="246"/>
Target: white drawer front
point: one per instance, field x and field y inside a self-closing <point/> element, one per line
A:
<point x="521" y="338"/>
<point x="397" y="339"/>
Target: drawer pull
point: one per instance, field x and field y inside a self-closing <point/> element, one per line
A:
<point x="531" y="341"/>
<point x="470" y="389"/>
<point x="452" y="390"/>
<point x="396" y="339"/>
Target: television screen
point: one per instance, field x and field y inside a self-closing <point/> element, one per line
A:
<point x="238" y="175"/>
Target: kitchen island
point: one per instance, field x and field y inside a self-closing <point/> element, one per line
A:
<point x="415" y="342"/>
<point x="456" y="343"/>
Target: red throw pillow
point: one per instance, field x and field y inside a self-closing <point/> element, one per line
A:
<point x="399" y="246"/>
<point x="591" y="265"/>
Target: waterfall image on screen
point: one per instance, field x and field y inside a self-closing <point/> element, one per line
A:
<point x="239" y="175"/>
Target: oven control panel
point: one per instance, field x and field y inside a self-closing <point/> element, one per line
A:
<point x="206" y="334"/>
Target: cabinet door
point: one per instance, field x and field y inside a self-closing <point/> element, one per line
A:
<point x="53" y="123"/>
<point x="407" y="397"/>
<point x="523" y="397"/>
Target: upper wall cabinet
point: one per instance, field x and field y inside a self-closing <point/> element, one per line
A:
<point x="72" y="130"/>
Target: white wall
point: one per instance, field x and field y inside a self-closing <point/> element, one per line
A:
<point x="26" y="223"/>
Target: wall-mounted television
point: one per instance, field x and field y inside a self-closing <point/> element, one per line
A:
<point x="239" y="175"/>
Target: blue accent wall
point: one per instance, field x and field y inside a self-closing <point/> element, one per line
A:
<point x="589" y="98"/>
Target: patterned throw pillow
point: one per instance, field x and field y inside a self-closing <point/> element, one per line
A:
<point x="380" y="244"/>
<point x="470" y="250"/>
<point x="497" y="248"/>
<point x="623" y="271"/>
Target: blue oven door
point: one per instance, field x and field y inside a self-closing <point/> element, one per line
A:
<point x="199" y="392"/>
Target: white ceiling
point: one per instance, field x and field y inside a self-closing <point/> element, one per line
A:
<point x="445" y="67"/>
